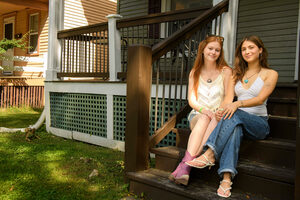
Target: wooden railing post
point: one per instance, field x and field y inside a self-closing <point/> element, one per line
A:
<point x="114" y="38"/>
<point x="139" y="79"/>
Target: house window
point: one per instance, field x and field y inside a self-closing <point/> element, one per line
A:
<point x="186" y="4"/>
<point x="33" y="33"/>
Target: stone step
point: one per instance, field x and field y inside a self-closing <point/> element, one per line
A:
<point x="154" y="184"/>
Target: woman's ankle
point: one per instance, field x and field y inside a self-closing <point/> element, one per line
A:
<point x="210" y="155"/>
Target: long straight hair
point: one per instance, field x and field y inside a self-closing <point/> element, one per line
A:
<point x="240" y="65"/>
<point x="199" y="62"/>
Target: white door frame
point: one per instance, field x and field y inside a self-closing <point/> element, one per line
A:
<point x="10" y="52"/>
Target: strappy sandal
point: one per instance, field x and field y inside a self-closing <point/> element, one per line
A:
<point x="225" y="189"/>
<point x="195" y="163"/>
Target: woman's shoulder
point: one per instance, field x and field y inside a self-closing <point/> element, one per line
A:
<point x="267" y="73"/>
<point x="227" y="70"/>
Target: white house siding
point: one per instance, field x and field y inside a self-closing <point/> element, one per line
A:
<point x="275" y="22"/>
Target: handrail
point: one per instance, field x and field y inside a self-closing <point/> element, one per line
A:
<point x="169" y="43"/>
<point x="160" y="17"/>
<point x="82" y="30"/>
<point x="168" y="126"/>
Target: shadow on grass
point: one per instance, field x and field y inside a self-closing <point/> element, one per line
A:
<point x="56" y="168"/>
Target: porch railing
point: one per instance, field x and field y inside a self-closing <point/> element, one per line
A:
<point x="84" y="52"/>
<point x="152" y="29"/>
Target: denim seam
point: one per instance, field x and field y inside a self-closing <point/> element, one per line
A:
<point x="233" y="172"/>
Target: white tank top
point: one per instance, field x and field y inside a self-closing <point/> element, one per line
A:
<point x="253" y="91"/>
<point x="210" y="95"/>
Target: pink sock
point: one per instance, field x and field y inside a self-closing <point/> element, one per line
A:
<point x="182" y="168"/>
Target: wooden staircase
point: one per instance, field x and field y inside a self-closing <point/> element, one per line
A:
<point x="266" y="168"/>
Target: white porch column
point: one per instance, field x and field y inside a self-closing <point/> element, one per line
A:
<point x="56" y="23"/>
<point x="228" y="30"/>
<point x="114" y="41"/>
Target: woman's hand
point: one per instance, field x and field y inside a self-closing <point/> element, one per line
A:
<point x="230" y="109"/>
<point x="208" y="113"/>
<point x="219" y="114"/>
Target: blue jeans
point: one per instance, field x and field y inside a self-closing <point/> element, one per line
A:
<point x="226" y="138"/>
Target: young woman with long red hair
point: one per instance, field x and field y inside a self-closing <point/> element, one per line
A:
<point x="208" y="82"/>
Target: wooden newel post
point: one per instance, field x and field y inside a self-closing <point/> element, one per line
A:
<point x="139" y="79"/>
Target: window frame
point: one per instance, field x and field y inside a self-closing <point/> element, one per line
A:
<point x="34" y="53"/>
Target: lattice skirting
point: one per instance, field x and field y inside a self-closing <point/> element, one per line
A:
<point x="87" y="113"/>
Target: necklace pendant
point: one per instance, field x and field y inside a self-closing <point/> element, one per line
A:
<point x="246" y="81"/>
<point x="209" y="80"/>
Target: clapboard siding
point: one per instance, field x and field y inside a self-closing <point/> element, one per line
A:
<point x="87" y="12"/>
<point x="133" y="8"/>
<point x="275" y="22"/>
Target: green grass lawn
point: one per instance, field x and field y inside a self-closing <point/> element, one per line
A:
<point x="19" y="117"/>
<point x="55" y="168"/>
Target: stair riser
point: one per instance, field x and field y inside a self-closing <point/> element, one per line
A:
<point x="285" y="92"/>
<point x="282" y="109"/>
<point x="271" y="189"/>
<point x="284" y="129"/>
<point x="268" y="155"/>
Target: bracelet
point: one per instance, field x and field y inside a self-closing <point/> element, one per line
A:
<point x="200" y="110"/>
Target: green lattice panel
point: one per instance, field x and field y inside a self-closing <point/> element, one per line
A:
<point x="85" y="113"/>
<point x="119" y="117"/>
<point x="170" y="139"/>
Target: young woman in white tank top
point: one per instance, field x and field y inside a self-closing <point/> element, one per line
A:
<point x="252" y="83"/>
<point x="208" y="82"/>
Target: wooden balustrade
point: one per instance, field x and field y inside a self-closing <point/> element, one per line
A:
<point x="84" y="52"/>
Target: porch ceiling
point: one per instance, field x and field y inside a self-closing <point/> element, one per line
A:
<point x="8" y="6"/>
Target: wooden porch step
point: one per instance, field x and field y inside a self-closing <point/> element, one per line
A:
<point x="256" y="177"/>
<point x="281" y="127"/>
<point x="287" y="90"/>
<point x="280" y="153"/>
<point x="277" y="152"/>
<point x="154" y="184"/>
<point x="282" y="106"/>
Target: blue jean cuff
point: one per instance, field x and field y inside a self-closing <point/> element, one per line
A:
<point x="232" y="171"/>
<point x="213" y="148"/>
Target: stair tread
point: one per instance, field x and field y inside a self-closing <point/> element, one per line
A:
<point x="283" y="117"/>
<point x="282" y="100"/>
<point x="277" y="173"/>
<point x="266" y="171"/>
<point x="195" y="190"/>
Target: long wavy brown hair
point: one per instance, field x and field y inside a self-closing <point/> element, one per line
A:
<point x="199" y="62"/>
<point x="240" y="65"/>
